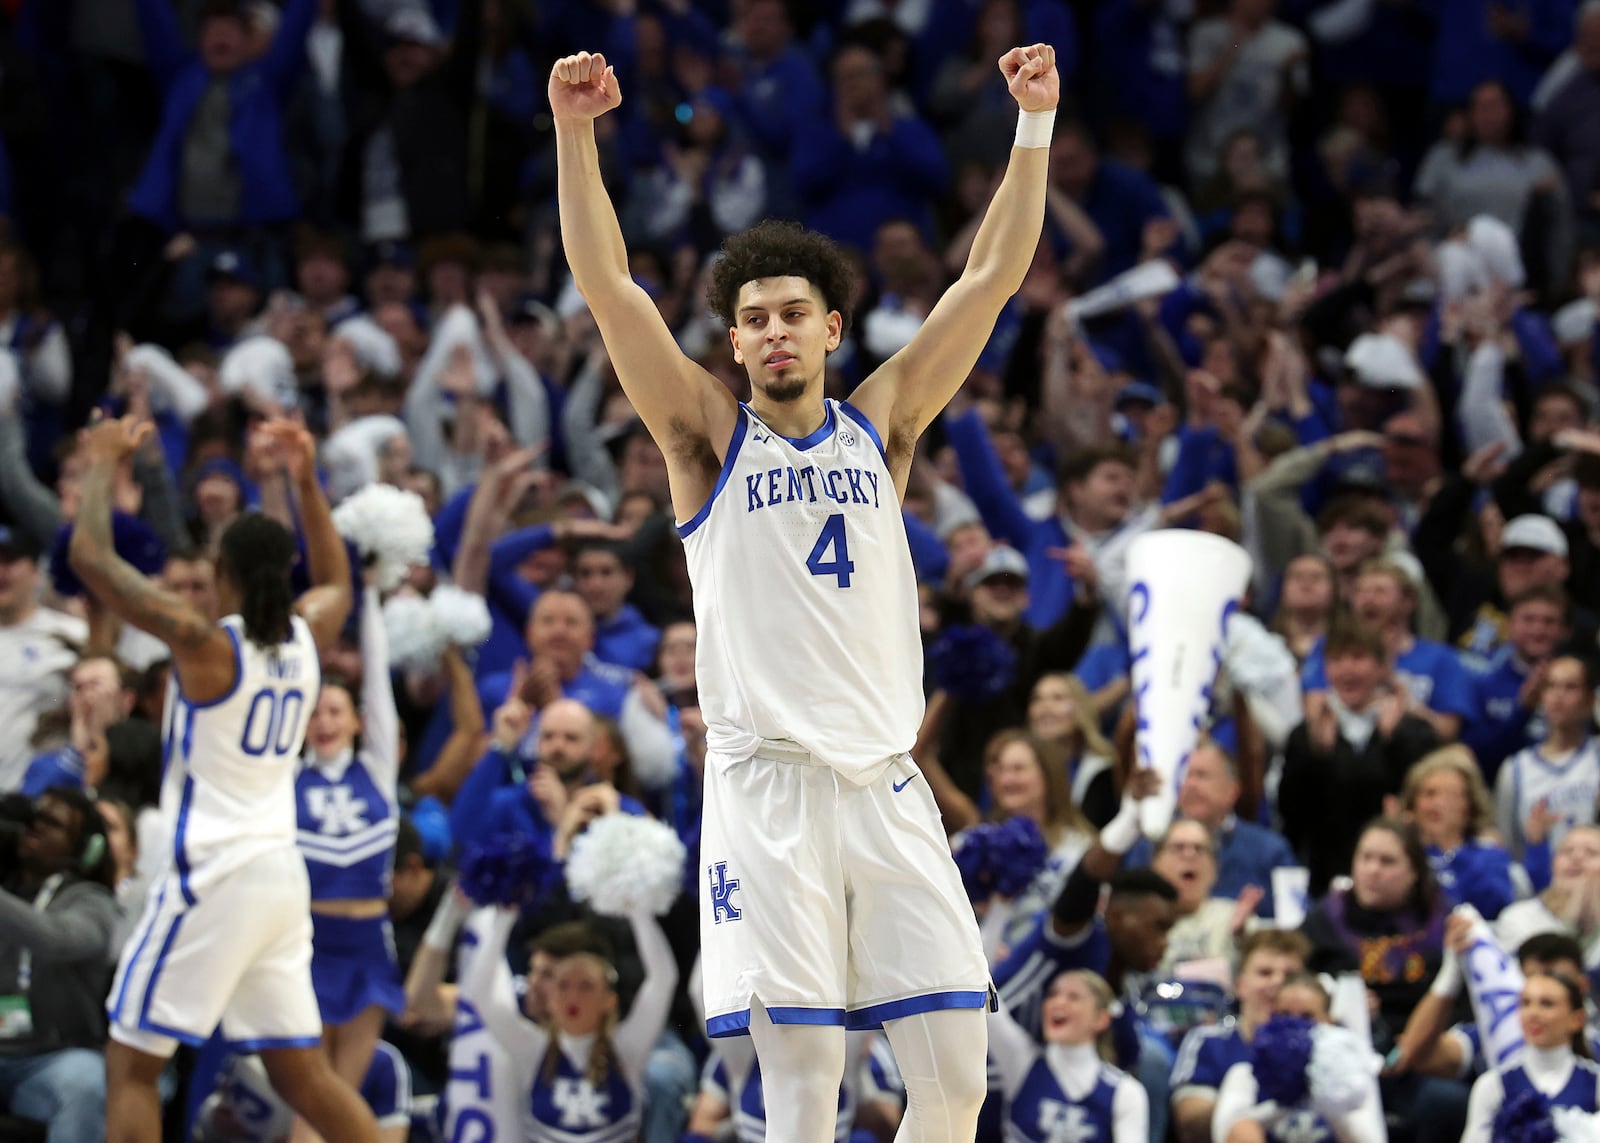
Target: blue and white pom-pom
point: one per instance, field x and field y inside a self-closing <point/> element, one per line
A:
<point x="1524" y="1117"/>
<point x="508" y="869"/>
<point x="1340" y="1070"/>
<point x="1001" y="858"/>
<point x="1280" y="1056"/>
<point x="421" y="630"/>
<point x="972" y="662"/>
<point x="623" y="865"/>
<point x="389" y="527"/>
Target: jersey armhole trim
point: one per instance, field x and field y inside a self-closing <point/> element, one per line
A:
<point x="238" y="675"/>
<point x="740" y="428"/>
<point x="867" y="427"/>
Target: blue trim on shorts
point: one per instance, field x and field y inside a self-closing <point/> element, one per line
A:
<point x="180" y="860"/>
<point x="114" y="1012"/>
<point x="740" y="429"/>
<point x="155" y="970"/>
<point x="189" y="1038"/>
<point x="867" y="427"/>
<point x="738" y="1023"/>
<point x="269" y="1043"/>
<point x="874" y="1015"/>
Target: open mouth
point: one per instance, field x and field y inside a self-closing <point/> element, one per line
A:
<point x="780" y="360"/>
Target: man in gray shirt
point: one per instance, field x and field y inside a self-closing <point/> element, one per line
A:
<point x="56" y="917"/>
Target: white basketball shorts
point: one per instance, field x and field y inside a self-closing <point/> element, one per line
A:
<point x="828" y="902"/>
<point x="238" y="956"/>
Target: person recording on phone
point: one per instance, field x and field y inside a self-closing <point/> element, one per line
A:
<point x="57" y="914"/>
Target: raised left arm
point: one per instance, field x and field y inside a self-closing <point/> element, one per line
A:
<point x="903" y="396"/>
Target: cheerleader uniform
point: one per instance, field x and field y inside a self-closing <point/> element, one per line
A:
<point x="1569" y="1084"/>
<point x="348" y="818"/>
<point x="733" y="1076"/>
<point x="1301" y="1123"/>
<point x="1063" y="1091"/>
<point x="563" y="1104"/>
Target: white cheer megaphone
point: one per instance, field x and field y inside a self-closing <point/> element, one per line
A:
<point x="1185" y="585"/>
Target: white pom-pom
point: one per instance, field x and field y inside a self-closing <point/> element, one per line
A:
<point x="389" y="527"/>
<point x="415" y="639"/>
<point x="371" y="344"/>
<point x="263" y="365"/>
<point x="1341" y="1070"/>
<point x="623" y="865"/>
<point x="462" y="617"/>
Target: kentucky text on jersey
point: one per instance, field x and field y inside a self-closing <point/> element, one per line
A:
<point x="807" y="485"/>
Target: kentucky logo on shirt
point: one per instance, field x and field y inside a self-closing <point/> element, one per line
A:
<point x="810" y="484"/>
<point x="1065" y="1122"/>
<point x="580" y="1104"/>
<point x="722" y="890"/>
<point x="337" y="809"/>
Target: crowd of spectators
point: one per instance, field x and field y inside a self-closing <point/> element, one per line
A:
<point x="1373" y="363"/>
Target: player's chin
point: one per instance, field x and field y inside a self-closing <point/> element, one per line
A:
<point x="784" y="389"/>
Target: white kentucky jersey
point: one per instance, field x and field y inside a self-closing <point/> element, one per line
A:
<point x="1568" y="787"/>
<point x="805" y="598"/>
<point x="228" y="766"/>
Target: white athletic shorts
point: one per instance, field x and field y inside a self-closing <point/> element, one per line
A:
<point x="828" y="902"/>
<point x="238" y="956"/>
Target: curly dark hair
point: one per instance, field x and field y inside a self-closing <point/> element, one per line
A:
<point x="777" y="249"/>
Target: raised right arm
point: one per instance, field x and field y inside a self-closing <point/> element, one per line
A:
<point x="679" y="402"/>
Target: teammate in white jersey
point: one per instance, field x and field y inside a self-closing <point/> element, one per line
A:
<point x="828" y="895"/>
<point x="226" y="937"/>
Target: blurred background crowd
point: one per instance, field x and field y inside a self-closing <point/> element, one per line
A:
<point x="1359" y="339"/>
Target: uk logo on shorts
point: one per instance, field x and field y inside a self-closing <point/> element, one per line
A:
<point x="723" y="888"/>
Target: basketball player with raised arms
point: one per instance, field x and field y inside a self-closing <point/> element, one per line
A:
<point x="829" y="899"/>
<point x="225" y="940"/>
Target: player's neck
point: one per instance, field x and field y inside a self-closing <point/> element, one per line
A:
<point x="793" y="419"/>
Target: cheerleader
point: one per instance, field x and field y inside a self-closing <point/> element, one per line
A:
<point x="348" y="819"/>
<point x="1554" y="1069"/>
<point x="1246" y="1113"/>
<point x="581" y="1073"/>
<point x="1067" y="1090"/>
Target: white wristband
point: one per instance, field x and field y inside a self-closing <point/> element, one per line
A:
<point x="1034" y="128"/>
<point x="1122" y="831"/>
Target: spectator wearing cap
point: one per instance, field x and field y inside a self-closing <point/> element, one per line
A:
<point x="409" y="94"/>
<point x="1428" y="675"/>
<point x="233" y="298"/>
<point x="102" y="693"/>
<point x="217" y="169"/>
<point x="1533" y="551"/>
<point x="1559" y="445"/>
<point x="998" y="598"/>
<point x="38" y="648"/>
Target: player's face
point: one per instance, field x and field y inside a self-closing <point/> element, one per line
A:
<point x="1441" y="808"/>
<point x="1566" y="699"/>
<point x="1549" y="1018"/>
<point x="1071" y="1012"/>
<point x="1536" y="629"/>
<point x="582" y="997"/>
<point x="783" y="336"/>
<point x="1381" y="871"/>
<point x="1052" y="713"/>
<point x="1259" y="980"/>
<point x="334" y="724"/>
<point x="1016" y="780"/>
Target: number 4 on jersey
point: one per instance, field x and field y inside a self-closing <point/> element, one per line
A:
<point x="832" y="538"/>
